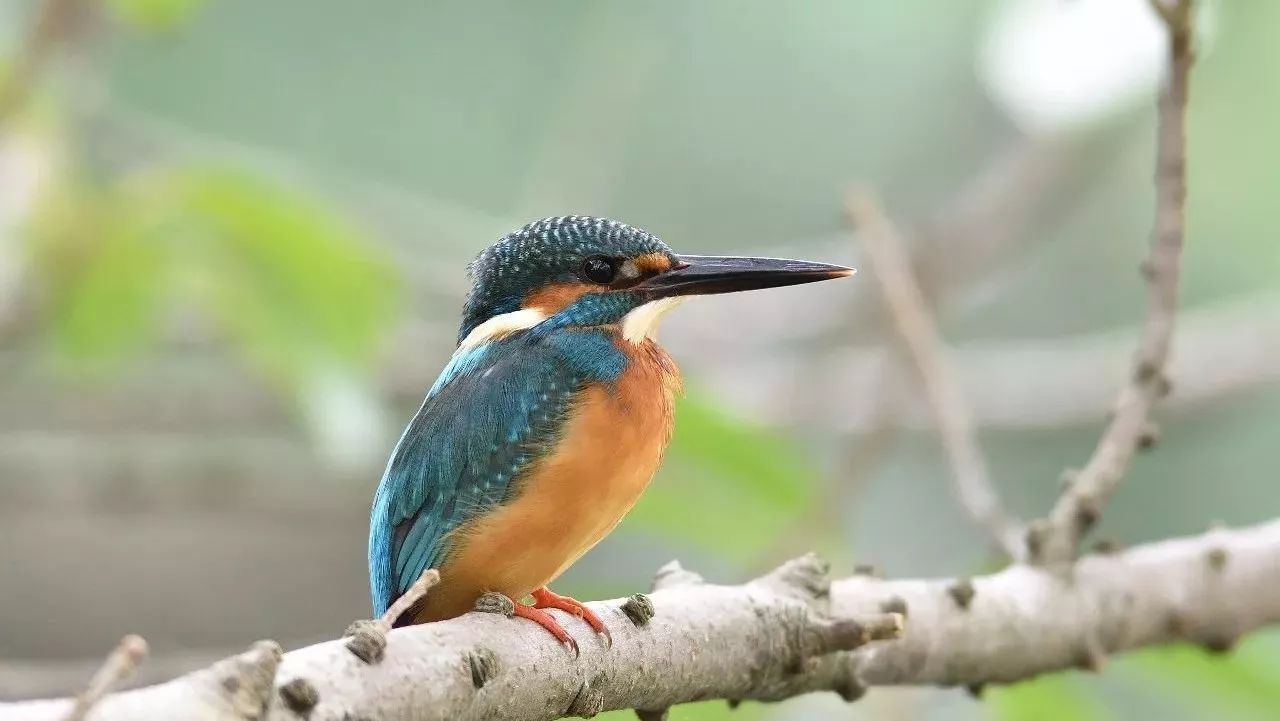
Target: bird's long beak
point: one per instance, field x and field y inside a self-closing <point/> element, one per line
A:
<point x="706" y="274"/>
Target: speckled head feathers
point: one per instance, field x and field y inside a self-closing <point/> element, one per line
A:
<point x="543" y="253"/>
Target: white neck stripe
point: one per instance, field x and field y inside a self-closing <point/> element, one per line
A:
<point x="501" y="326"/>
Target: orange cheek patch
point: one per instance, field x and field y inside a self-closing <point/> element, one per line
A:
<point x="652" y="264"/>
<point x="557" y="296"/>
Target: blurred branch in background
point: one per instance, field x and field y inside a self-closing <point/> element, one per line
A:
<point x="53" y="21"/>
<point x="919" y="335"/>
<point x="967" y="237"/>
<point x="957" y="249"/>
<point x="1222" y="351"/>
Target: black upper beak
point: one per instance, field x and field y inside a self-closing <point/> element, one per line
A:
<point x="706" y="274"/>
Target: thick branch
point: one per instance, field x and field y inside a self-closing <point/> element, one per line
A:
<point x="776" y="637"/>
<point x="1077" y="509"/>
<point x="916" y="327"/>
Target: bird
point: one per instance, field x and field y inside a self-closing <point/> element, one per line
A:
<point x="549" y="420"/>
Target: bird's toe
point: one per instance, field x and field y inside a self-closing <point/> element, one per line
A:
<point x="546" y="598"/>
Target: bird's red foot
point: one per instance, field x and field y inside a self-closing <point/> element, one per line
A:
<point x="546" y="598"/>
<point x="545" y="620"/>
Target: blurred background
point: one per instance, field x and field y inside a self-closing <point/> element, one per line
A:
<point x="233" y="239"/>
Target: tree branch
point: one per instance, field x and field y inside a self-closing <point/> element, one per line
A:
<point x="918" y="331"/>
<point x="785" y="634"/>
<point x="1221" y="351"/>
<point x="1055" y="539"/>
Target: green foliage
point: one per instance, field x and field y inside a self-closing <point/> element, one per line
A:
<point x="290" y="282"/>
<point x="1246" y="682"/>
<point x="703" y="711"/>
<point x="155" y="15"/>
<point x="1053" y="697"/>
<point x="109" y="271"/>
<point x="728" y="486"/>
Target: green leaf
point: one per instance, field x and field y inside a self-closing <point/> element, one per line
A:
<point x="1247" y="681"/>
<point x="108" y="265"/>
<point x="700" y="711"/>
<point x="297" y="289"/>
<point x="728" y="486"/>
<point x="155" y="15"/>
<point x="766" y="464"/>
<point x="290" y="280"/>
<point x="1052" y="697"/>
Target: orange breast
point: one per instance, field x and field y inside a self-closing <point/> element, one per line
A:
<point x="572" y="499"/>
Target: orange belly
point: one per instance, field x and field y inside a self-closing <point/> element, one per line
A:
<point x="573" y="498"/>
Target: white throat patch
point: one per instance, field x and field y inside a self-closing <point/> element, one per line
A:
<point x="640" y="323"/>
<point x="502" y="325"/>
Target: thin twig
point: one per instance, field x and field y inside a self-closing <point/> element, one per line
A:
<point x="367" y="640"/>
<point x="1056" y="539"/>
<point x="919" y="334"/>
<point x="118" y="667"/>
<point x="429" y="578"/>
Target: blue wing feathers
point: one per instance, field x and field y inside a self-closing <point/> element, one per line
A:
<point x="493" y="411"/>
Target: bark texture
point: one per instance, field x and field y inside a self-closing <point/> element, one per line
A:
<point x="788" y="633"/>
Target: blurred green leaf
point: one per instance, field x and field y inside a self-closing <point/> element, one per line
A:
<point x="1247" y="681"/>
<point x="753" y="479"/>
<point x="1052" y="697"/>
<point x="701" y="711"/>
<point x="300" y="291"/>
<point x="108" y="261"/>
<point x="155" y="15"/>
<point x="768" y="466"/>
<point x="291" y="280"/>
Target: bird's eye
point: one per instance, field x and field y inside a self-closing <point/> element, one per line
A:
<point x="598" y="270"/>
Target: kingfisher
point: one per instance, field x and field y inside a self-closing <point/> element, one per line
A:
<point x="549" y="420"/>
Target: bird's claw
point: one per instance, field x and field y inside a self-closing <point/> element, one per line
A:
<point x="545" y="620"/>
<point x="546" y="598"/>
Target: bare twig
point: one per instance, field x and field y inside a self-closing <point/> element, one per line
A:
<point x="1055" y="539"/>
<point x="787" y="633"/>
<point x="367" y="640"/>
<point x="919" y="334"/>
<point x="118" y="667"/>
<point x="429" y="578"/>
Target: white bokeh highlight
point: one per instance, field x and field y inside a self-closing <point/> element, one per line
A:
<point x="1059" y="65"/>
